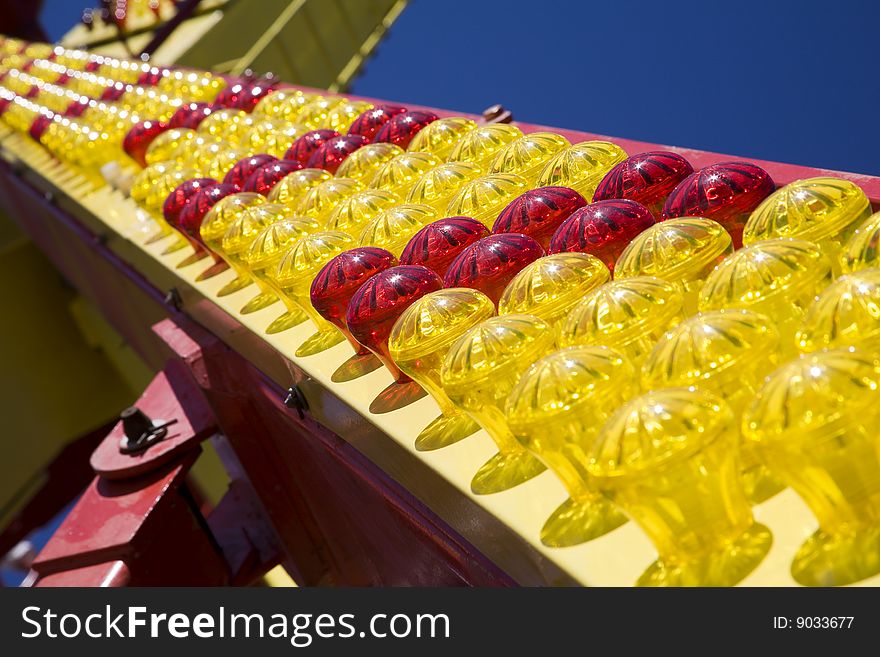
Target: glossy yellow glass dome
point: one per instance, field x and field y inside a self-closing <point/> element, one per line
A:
<point x="581" y="166"/>
<point x="437" y="186"/>
<point x="294" y="275"/>
<point x="485" y="197"/>
<point x="862" y="249"/>
<point x="418" y="343"/>
<point x="166" y="145"/>
<point x="727" y="353"/>
<point x="681" y="251"/>
<point x="845" y="314"/>
<point x="228" y="124"/>
<point x="823" y="210"/>
<point x="343" y="115"/>
<point x="316" y="114"/>
<point x="292" y="189"/>
<point x="669" y="460"/>
<point x="393" y="228"/>
<point x="814" y="423"/>
<point x="363" y="164"/>
<point x="479" y="371"/>
<point x="528" y="155"/>
<point x="779" y="278"/>
<point x="272" y="136"/>
<point x="481" y="145"/>
<point x="550" y="287"/>
<point x="354" y="213"/>
<point x="284" y="104"/>
<point x="223" y="213"/>
<point x="628" y="315"/>
<point x="556" y="411"/>
<point x="238" y="238"/>
<point x="440" y="137"/>
<point x="401" y="172"/>
<point x="320" y="200"/>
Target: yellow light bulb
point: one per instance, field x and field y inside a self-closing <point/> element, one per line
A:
<point x="294" y="275"/>
<point x="401" y="172"/>
<point x="418" y="343"/>
<point x="550" y="287"/>
<point x="814" y="423"/>
<point x="316" y="114"/>
<point x="779" y="278"/>
<point x="556" y="411"/>
<point x="681" y="251"/>
<point x="222" y="214"/>
<point x="669" y="460"/>
<point x="292" y="189"/>
<point x="354" y="213"/>
<point x="363" y="164"/>
<point x="481" y="145"/>
<point x="437" y="186"/>
<point x="845" y="314"/>
<point x="393" y="228"/>
<point x="860" y="250"/>
<point x="479" y="371"/>
<point x="582" y="166"/>
<point x="440" y="137"/>
<point x="528" y="155"/>
<point x="485" y="197"/>
<point x="628" y="316"/>
<point x="727" y="353"/>
<point x="264" y="254"/>
<point x="283" y="104"/>
<point x="165" y="145"/>
<point x="320" y="200"/>
<point x="823" y="210"/>
<point x="343" y="115"/>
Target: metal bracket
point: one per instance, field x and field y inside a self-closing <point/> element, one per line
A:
<point x="140" y="431"/>
<point x="297" y="401"/>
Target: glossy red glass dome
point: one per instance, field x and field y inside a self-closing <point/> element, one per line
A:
<point x="303" y="147"/>
<point x="726" y="192"/>
<point x="538" y="213"/>
<point x="647" y="178"/>
<point x="603" y="229"/>
<point x="114" y="92"/>
<point x="77" y="107"/>
<point x="245" y="167"/>
<point x="337" y="282"/>
<point x="40" y="123"/>
<point x="264" y="178"/>
<point x="489" y="264"/>
<point x="197" y="207"/>
<point x="181" y="195"/>
<point x="436" y="245"/>
<point x="333" y="152"/>
<point x="380" y="301"/>
<point x="190" y="115"/>
<point x="140" y="137"/>
<point x="368" y="123"/>
<point x="401" y="128"/>
<point x="252" y="93"/>
<point x="151" y="77"/>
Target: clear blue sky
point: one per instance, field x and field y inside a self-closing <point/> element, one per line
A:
<point x="794" y="81"/>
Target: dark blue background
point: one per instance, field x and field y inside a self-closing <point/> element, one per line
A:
<point x="787" y="80"/>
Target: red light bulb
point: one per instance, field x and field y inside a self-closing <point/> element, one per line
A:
<point x="245" y="167"/>
<point x="252" y="93"/>
<point x="303" y="148"/>
<point x="190" y="115"/>
<point x="369" y="122"/>
<point x="603" y="229"/>
<point x="727" y="192"/>
<point x="114" y="92"/>
<point x="538" y="213"/>
<point x="380" y="301"/>
<point x="333" y="152"/>
<point x="151" y="77"/>
<point x="401" y="128"/>
<point x="647" y="178"/>
<point x="40" y="123"/>
<point x="176" y="202"/>
<point x="77" y="107"/>
<point x="140" y="137"/>
<point x="489" y="264"/>
<point x="340" y="278"/>
<point x="197" y="207"/>
<point x="436" y="245"/>
<point x="264" y="178"/>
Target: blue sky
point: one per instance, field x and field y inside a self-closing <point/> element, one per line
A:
<point x="772" y="79"/>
